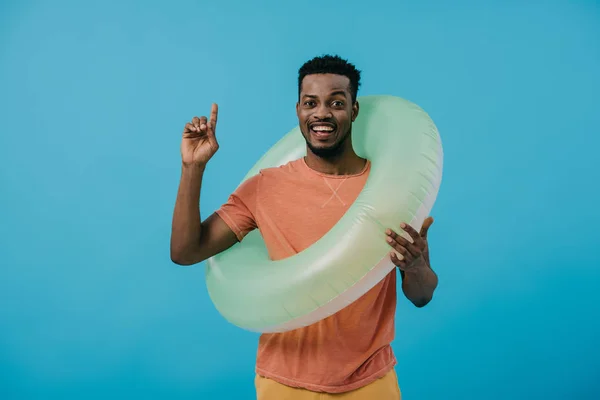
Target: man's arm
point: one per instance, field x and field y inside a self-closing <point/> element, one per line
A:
<point x="193" y="241"/>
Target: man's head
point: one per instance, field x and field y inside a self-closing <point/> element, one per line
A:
<point x="327" y="106"/>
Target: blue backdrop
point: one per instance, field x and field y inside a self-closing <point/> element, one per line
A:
<point x="93" y="99"/>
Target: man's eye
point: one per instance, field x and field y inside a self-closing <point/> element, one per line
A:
<point x="338" y="103"/>
<point x="309" y="103"/>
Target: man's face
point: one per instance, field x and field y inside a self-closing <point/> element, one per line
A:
<point x="325" y="113"/>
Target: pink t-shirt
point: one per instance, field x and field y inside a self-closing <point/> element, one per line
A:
<point x="294" y="206"/>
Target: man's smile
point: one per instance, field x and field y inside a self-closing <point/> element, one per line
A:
<point x="322" y="130"/>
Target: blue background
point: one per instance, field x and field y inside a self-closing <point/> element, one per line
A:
<point x="93" y="99"/>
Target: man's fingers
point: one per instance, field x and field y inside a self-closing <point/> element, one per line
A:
<point x="397" y="261"/>
<point x="214" y="112"/>
<point x="196" y="128"/>
<point x="410" y="230"/>
<point x="211" y="125"/>
<point x="425" y="228"/>
<point x="189" y="128"/>
<point x="197" y="124"/>
<point x="414" y="235"/>
<point x="403" y="250"/>
<point x="203" y="126"/>
<point x="410" y="247"/>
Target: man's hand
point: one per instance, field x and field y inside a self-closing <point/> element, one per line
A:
<point x="415" y="254"/>
<point x="418" y="279"/>
<point x="199" y="143"/>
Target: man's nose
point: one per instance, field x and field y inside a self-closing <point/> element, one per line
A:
<point x="322" y="112"/>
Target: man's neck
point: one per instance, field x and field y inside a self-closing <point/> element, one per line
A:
<point x="347" y="163"/>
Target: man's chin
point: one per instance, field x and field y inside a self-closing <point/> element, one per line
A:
<point x="325" y="151"/>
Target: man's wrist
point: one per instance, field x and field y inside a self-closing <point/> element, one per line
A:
<point x="193" y="168"/>
<point x="418" y="269"/>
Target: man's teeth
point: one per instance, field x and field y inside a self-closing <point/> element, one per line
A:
<point x="322" y="128"/>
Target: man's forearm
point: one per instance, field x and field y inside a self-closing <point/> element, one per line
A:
<point x="418" y="285"/>
<point x="186" y="227"/>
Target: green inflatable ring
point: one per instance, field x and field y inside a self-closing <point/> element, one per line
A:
<point x="262" y="295"/>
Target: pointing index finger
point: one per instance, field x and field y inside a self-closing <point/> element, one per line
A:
<point x="214" y="111"/>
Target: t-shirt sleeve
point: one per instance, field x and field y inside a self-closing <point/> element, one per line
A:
<point x="239" y="210"/>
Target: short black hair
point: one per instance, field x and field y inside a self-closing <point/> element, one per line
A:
<point x="331" y="64"/>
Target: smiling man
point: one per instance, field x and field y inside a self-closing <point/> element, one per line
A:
<point x="347" y="355"/>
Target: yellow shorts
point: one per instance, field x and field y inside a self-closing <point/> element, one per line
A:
<point x="385" y="388"/>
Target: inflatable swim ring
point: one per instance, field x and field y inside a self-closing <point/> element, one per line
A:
<point x="262" y="295"/>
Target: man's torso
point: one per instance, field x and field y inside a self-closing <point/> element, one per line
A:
<point x="293" y="206"/>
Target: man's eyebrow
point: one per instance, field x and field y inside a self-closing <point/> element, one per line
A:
<point x="342" y="92"/>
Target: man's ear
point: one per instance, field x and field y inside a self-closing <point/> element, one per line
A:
<point x="355" y="109"/>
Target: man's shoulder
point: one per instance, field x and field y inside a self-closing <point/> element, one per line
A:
<point x="283" y="171"/>
<point x="270" y="177"/>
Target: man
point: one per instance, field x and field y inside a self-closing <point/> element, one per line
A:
<point x="347" y="355"/>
